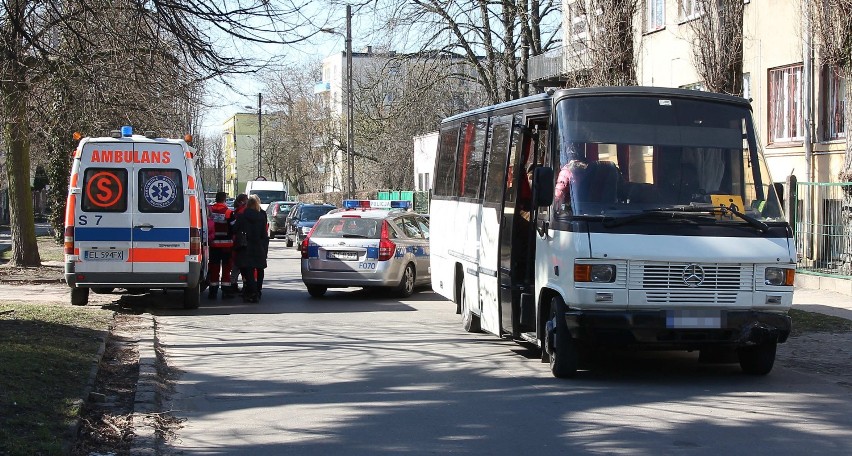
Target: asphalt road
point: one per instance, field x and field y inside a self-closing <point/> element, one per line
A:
<point x="357" y="373"/>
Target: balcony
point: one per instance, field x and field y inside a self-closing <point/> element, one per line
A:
<point x="321" y="87"/>
<point x="551" y="68"/>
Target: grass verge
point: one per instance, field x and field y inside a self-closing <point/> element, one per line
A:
<point x="805" y="322"/>
<point x="46" y="354"/>
<point x="48" y="250"/>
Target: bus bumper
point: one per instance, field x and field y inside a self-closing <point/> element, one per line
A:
<point x="659" y="328"/>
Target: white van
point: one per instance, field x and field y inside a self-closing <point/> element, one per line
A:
<point x="135" y="217"/>
<point x="267" y="191"/>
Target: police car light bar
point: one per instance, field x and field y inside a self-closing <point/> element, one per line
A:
<point x="376" y="204"/>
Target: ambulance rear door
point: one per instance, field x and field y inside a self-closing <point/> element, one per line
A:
<point x="102" y="233"/>
<point x="160" y="212"/>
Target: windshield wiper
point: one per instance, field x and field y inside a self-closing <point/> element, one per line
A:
<point x="673" y="212"/>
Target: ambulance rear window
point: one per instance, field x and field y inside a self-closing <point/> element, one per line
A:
<point x="104" y="190"/>
<point x="160" y="190"/>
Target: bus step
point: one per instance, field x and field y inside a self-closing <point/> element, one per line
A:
<point x="530" y="337"/>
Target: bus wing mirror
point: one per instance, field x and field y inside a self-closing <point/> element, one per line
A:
<point x="543" y="185"/>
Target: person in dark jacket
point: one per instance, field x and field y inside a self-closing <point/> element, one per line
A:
<point x="251" y="253"/>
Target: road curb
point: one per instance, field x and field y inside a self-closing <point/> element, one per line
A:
<point x="147" y="400"/>
<point x="74" y="428"/>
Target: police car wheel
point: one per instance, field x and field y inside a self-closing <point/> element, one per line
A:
<point x="316" y="291"/>
<point x="192" y="297"/>
<point x="406" y="283"/>
<point x="79" y="296"/>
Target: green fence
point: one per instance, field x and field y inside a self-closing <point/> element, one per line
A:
<point x="824" y="239"/>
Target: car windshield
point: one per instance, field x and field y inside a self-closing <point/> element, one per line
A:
<point x="624" y="155"/>
<point x="314" y="212"/>
<point x="348" y="227"/>
<point x="268" y="196"/>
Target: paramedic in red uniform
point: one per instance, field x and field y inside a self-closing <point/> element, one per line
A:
<point x="220" y="248"/>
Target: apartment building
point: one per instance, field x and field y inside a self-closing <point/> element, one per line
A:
<point x="239" y="146"/>
<point x="788" y="86"/>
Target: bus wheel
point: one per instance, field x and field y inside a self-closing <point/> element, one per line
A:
<point x="560" y="347"/>
<point x="757" y="359"/>
<point x="192" y="297"/>
<point x="470" y="321"/>
<point x="406" y="283"/>
<point x="79" y="296"/>
<point x="316" y="291"/>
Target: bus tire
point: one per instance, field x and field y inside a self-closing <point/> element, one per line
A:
<point x="103" y="290"/>
<point x="757" y="359"/>
<point x="406" y="283"/>
<point x="316" y="291"/>
<point x="470" y="321"/>
<point x="79" y="296"/>
<point x="192" y="297"/>
<point x="562" y="351"/>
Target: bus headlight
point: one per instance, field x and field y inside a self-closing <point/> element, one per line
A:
<point x="779" y="277"/>
<point x="600" y="273"/>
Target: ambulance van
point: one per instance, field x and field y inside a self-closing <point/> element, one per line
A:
<point x="135" y="217"/>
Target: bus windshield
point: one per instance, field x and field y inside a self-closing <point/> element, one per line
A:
<point x="269" y="196"/>
<point x="626" y="154"/>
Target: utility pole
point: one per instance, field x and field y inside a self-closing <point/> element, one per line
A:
<point x="350" y="133"/>
<point x="259" y="133"/>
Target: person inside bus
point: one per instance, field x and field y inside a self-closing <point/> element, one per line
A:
<point x="573" y="163"/>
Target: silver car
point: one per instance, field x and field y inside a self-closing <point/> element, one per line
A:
<point x="367" y="248"/>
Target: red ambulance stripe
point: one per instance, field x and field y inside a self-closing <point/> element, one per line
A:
<point x="156" y="255"/>
<point x="190" y="182"/>
<point x="74" y="179"/>
<point x="69" y="208"/>
<point x="194" y="213"/>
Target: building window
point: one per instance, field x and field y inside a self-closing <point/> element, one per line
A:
<point x="834" y="103"/>
<point x="655" y="15"/>
<point x="689" y="9"/>
<point x="786" y="119"/>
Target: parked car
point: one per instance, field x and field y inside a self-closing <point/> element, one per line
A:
<point x="301" y="219"/>
<point x="367" y="247"/>
<point x="276" y="216"/>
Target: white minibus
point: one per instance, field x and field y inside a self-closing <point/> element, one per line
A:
<point x="613" y="217"/>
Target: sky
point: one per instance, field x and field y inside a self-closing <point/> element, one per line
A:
<point x="222" y="102"/>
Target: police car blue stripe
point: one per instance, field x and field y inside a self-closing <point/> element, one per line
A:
<point x="101" y="234"/>
<point x="161" y="235"/>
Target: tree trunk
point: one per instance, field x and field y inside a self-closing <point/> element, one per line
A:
<point x="24" y="245"/>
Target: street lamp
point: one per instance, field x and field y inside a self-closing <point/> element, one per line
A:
<point x="350" y="112"/>
<point x="259" y="131"/>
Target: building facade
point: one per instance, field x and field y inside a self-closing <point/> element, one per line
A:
<point x="797" y="102"/>
<point x="239" y="146"/>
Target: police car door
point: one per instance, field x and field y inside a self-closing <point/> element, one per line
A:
<point x="103" y="211"/>
<point x="161" y="213"/>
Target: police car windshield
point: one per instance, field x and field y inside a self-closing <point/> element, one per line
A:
<point x="314" y="212"/>
<point x="348" y="228"/>
<point x="268" y="196"/>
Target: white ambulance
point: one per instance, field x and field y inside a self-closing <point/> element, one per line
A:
<point x="135" y="217"/>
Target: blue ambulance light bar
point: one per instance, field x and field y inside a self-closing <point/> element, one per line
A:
<point x="126" y="131"/>
<point x="376" y="204"/>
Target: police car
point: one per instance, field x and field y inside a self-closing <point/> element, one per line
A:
<point x="367" y="243"/>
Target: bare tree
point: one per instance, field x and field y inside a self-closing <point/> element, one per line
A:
<point x="495" y="37"/>
<point x="116" y="70"/>
<point x="717" y="45"/>
<point x="599" y="40"/>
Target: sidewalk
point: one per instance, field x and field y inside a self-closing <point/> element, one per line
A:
<point x="823" y="301"/>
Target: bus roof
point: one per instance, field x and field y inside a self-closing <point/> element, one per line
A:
<point x="607" y="91"/>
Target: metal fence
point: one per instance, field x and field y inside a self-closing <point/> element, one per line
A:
<point x="823" y="229"/>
